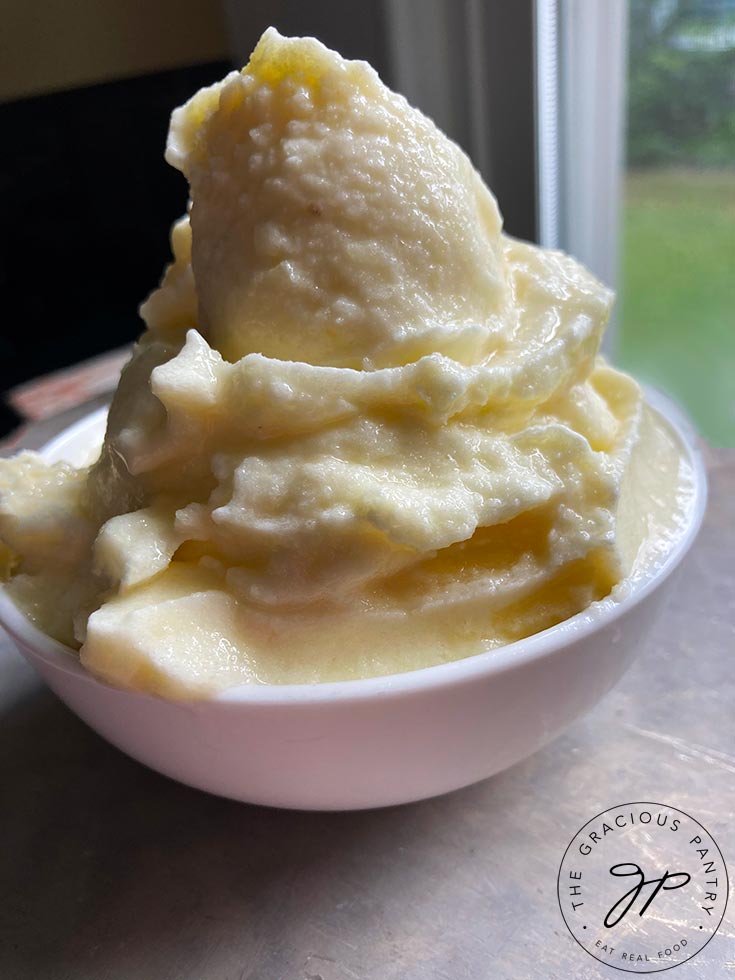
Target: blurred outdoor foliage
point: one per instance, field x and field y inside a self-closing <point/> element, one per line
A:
<point x="681" y="95"/>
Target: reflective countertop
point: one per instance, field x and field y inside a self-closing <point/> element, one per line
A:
<point x="111" y="872"/>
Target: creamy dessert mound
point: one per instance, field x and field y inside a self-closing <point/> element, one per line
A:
<point x="364" y="431"/>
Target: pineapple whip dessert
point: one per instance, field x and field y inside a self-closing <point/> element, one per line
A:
<point x="364" y="431"/>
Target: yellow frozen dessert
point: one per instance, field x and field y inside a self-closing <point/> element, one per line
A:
<point x="364" y="432"/>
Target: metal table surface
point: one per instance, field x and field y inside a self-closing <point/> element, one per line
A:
<point x="111" y="872"/>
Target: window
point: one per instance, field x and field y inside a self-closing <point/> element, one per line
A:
<point x="677" y="274"/>
<point x="636" y="176"/>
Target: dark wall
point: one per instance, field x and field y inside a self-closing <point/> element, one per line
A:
<point x="87" y="201"/>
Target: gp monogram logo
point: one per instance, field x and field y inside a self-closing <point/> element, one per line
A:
<point x="642" y="887"/>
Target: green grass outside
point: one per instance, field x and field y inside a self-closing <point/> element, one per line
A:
<point x="677" y="292"/>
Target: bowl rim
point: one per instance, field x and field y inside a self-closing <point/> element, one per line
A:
<point x="466" y="670"/>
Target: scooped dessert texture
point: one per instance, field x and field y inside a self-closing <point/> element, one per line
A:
<point x="364" y="431"/>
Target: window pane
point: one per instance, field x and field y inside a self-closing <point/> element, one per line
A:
<point x="677" y="327"/>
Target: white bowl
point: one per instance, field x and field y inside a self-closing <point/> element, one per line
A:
<point x="374" y="742"/>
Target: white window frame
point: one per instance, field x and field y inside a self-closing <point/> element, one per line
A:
<point x="581" y="71"/>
